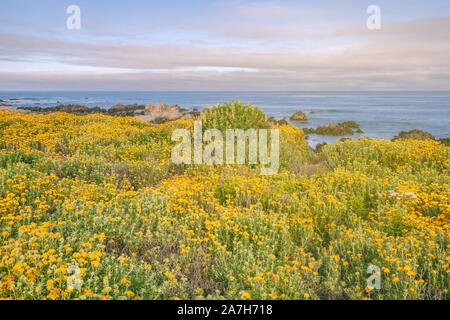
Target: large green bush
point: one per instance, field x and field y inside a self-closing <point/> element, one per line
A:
<point x="234" y="115"/>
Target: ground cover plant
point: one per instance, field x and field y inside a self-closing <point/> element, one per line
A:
<point x="95" y="201"/>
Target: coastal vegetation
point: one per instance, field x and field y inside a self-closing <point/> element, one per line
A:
<point x="92" y="207"/>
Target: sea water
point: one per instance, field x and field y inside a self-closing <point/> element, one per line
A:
<point x="380" y="114"/>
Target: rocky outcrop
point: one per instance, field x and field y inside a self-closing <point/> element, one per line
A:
<point x="163" y="111"/>
<point x="298" y="116"/>
<point x="156" y="112"/>
<point x="7" y="108"/>
<point x="116" y="110"/>
<point x="70" y="108"/>
<point x="11" y="109"/>
<point x="414" y="135"/>
<point x="335" y="129"/>
<point x="160" y="112"/>
<point x="274" y="121"/>
<point x="350" y="124"/>
<point x="127" y="110"/>
<point x="73" y="108"/>
<point x="445" y="141"/>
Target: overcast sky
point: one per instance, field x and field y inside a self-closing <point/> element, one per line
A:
<point x="224" y="45"/>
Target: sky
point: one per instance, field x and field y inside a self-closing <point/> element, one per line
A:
<point x="224" y="45"/>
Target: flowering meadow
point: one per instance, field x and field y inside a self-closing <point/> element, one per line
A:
<point x="92" y="207"/>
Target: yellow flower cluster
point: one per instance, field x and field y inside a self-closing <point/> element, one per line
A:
<point x="91" y="207"/>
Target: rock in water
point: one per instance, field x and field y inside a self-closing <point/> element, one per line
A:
<point x="299" y="116"/>
<point x="274" y="121"/>
<point x="335" y="129"/>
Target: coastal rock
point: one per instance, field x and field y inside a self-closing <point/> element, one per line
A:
<point x="128" y="110"/>
<point x="73" y="108"/>
<point x="189" y="116"/>
<point x="274" y="121"/>
<point x="11" y="109"/>
<point x="192" y="115"/>
<point x="157" y="113"/>
<point x="116" y="110"/>
<point x="335" y="129"/>
<point x="445" y="141"/>
<point x="118" y="107"/>
<point x="7" y="109"/>
<point x="414" y="135"/>
<point x="70" y="108"/>
<point x="350" y="124"/>
<point x="298" y="116"/>
<point x="161" y="112"/>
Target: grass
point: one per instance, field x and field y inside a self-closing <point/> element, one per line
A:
<point x="100" y="193"/>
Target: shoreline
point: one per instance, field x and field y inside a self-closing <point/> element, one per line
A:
<point x="316" y="138"/>
<point x="381" y="114"/>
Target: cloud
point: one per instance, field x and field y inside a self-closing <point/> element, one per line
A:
<point x="406" y="55"/>
<point x="372" y="52"/>
<point x="267" y="10"/>
<point x="179" y="79"/>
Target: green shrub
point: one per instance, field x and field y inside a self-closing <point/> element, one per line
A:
<point x="234" y="115"/>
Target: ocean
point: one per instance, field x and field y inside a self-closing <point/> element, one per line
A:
<point x="380" y="114"/>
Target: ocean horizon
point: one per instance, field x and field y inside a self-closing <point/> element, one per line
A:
<point x="381" y="114"/>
